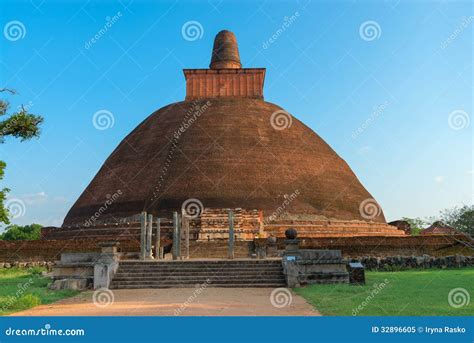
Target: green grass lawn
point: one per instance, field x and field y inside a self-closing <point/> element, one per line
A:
<point x="21" y="289"/>
<point x="403" y="293"/>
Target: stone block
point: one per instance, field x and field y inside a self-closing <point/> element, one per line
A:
<point x="72" y="284"/>
<point x="79" y="257"/>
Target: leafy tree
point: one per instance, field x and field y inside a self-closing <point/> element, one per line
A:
<point x="22" y="233"/>
<point x="416" y="224"/>
<point x="19" y="124"/>
<point x="460" y="218"/>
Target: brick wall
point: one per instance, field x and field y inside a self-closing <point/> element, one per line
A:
<point x="235" y="83"/>
<point x="50" y="250"/>
<point x="436" y="245"/>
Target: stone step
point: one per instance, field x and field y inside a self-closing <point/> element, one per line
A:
<point x="174" y="285"/>
<point x="199" y="282"/>
<point x="197" y="269"/>
<point x="200" y="263"/>
<point x="217" y="273"/>
<point x="202" y="275"/>
<point x="212" y="274"/>
<point x="204" y="266"/>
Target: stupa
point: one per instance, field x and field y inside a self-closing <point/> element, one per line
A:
<point x="225" y="147"/>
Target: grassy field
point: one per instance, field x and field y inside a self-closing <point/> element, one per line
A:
<point x="24" y="288"/>
<point x="404" y="293"/>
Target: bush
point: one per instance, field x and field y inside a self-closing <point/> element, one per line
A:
<point x="36" y="270"/>
<point x="6" y="303"/>
<point x="24" y="302"/>
<point x="27" y="301"/>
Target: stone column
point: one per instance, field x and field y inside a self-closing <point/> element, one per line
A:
<point x="158" y="239"/>
<point x="230" y="253"/>
<point x="106" y="265"/>
<point x="261" y="228"/>
<point x="149" y="227"/>
<point x="290" y="258"/>
<point x="180" y="234"/>
<point x="186" y="237"/>
<point x="143" y="235"/>
<point x="175" y="236"/>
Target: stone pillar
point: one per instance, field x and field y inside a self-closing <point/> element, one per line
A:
<point x="175" y="236"/>
<point x="142" y="236"/>
<point x="186" y="233"/>
<point x="291" y="241"/>
<point x="180" y="234"/>
<point x="231" y="235"/>
<point x="290" y="258"/>
<point x="272" y="248"/>
<point x="261" y="228"/>
<point x="158" y="239"/>
<point x="106" y="265"/>
<point x="148" y="254"/>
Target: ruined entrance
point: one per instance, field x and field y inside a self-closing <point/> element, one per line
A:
<point x="182" y="238"/>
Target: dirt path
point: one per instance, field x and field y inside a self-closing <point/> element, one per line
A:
<point x="179" y="301"/>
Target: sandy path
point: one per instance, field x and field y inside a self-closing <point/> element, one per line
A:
<point x="179" y="301"/>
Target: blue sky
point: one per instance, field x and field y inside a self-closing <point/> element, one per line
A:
<point x="387" y="84"/>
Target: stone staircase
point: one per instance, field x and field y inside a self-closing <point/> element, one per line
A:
<point x="202" y="273"/>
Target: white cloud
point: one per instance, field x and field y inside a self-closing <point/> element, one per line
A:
<point x="439" y="179"/>
<point x="34" y="199"/>
<point x="364" y="150"/>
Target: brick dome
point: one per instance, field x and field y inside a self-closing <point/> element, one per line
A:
<point x="227" y="147"/>
<point x="231" y="156"/>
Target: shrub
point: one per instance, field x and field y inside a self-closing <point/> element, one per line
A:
<point x="27" y="301"/>
<point x="10" y="303"/>
<point x="36" y="270"/>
